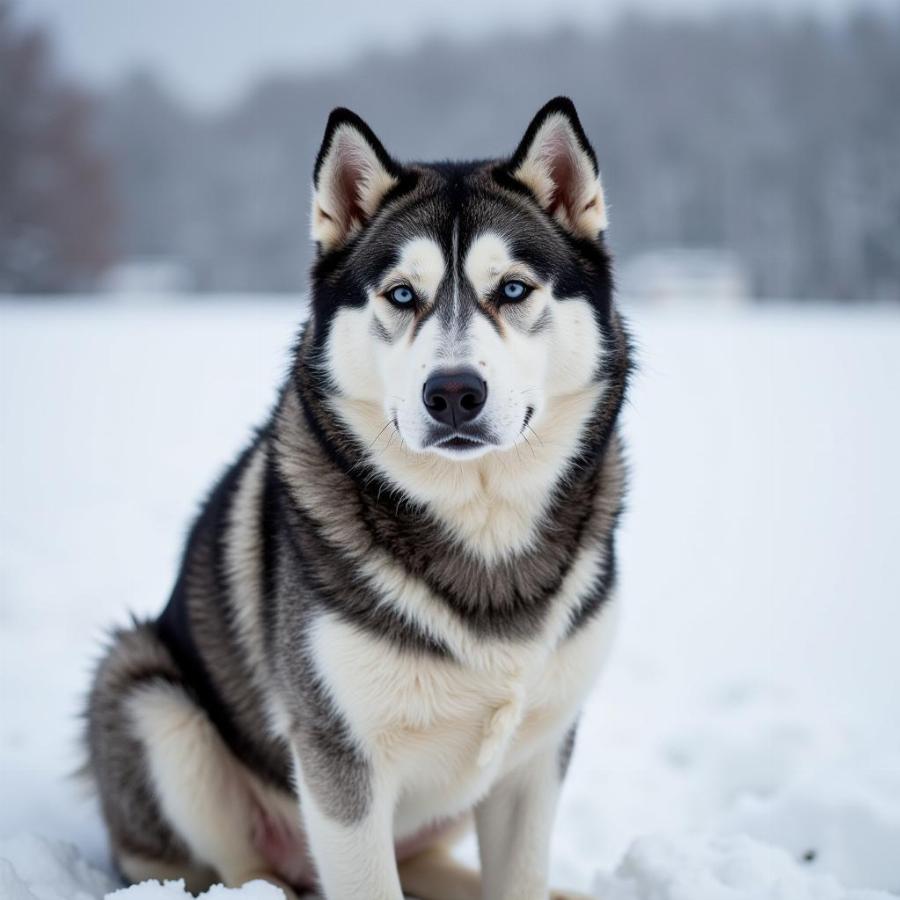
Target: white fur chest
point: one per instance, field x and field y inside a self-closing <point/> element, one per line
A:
<point x="444" y="730"/>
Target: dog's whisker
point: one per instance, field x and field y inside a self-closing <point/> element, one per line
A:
<point x="529" y="445"/>
<point x="380" y="433"/>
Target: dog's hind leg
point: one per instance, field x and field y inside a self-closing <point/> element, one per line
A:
<point x="202" y="789"/>
<point x="176" y="802"/>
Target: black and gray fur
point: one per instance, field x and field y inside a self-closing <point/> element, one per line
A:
<point x="306" y="553"/>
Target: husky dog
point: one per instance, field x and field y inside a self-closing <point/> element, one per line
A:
<point x="392" y="607"/>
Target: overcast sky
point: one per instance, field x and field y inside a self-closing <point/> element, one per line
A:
<point x="211" y="50"/>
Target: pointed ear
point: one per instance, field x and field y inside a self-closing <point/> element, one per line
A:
<point x="557" y="164"/>
<point x="352" y="175"/>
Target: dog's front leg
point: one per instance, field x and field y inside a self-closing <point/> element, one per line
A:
<point x="348" y="815"/>
<point x="514" y="824"/>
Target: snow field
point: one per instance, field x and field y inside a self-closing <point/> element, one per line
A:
<point x="745" y="741"/>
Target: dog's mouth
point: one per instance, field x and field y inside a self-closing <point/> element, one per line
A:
<point x="455" y="442"/>
<point x="460" y="442"/>
<point x="466" y="443"/>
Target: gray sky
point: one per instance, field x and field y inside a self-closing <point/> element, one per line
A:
<point x="210" y="50"/>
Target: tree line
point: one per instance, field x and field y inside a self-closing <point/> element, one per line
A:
<point x="775" y="138"/>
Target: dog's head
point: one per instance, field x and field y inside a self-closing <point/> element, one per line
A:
<point x="458" y="304"/>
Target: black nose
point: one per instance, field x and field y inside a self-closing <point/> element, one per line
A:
<point x="454" y="397"/>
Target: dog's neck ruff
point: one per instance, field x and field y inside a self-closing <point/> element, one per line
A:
<point x="402" y="549"/>
<point x="494" y="506"/>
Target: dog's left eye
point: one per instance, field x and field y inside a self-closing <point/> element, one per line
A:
<point x="402" y="295"/>
<point x="514" y="290"/>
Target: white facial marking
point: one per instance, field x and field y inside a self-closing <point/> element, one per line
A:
<point x="487" y="259"/>
<point x="421" y="263"/>
<point x="537" y="356"/>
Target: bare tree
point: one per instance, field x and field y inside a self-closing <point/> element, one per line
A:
<point x="56" y="208"/>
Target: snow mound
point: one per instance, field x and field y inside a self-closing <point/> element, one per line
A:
<point x="718" y="868"/>
<point x="34" y="868"/>
<point x="844" y="818"/>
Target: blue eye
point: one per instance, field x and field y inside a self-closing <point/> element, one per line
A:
<point x="402" y="295"/>
<point x="514" y="290"/>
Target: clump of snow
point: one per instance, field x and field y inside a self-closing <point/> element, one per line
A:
<point x="175" y="890"/>
<point x="717" y="868"/>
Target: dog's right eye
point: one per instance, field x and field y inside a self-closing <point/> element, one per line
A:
<point x="513" y="291"/>
<point x="402" y="295"/>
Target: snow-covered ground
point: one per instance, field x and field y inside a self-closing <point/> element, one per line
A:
<point x="745" y="742"/>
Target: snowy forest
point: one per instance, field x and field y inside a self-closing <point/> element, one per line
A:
<point x="775" y="138"/>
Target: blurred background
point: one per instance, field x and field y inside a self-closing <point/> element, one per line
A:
<point x="750" y="150"/>
<point x="155" y="168"/>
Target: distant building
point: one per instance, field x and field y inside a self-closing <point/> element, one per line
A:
<point x="682" y="274"/>
<point x="150" y="275"/>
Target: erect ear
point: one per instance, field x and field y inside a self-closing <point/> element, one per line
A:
<point x="557" y="164"/>
<point x="352" y="175"/>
